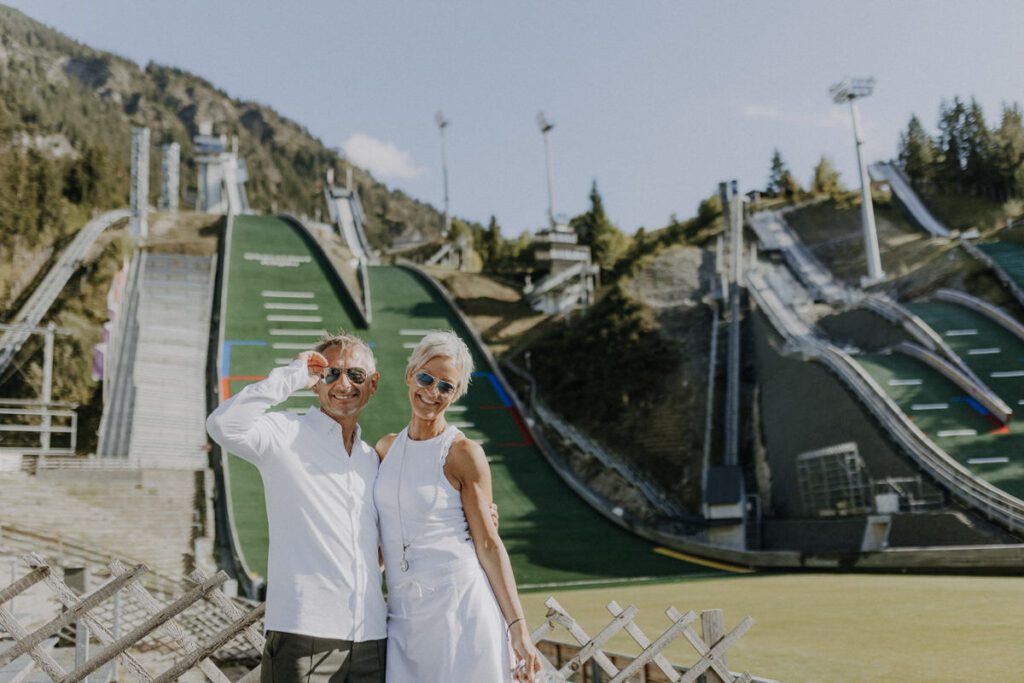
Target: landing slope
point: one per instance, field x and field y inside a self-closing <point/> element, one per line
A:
<point x="280" y="297"/>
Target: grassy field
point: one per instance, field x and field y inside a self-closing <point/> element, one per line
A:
<point x="830" y="628"/>
<point x="552" y="536"/>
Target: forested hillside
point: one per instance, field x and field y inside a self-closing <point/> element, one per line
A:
<point x="66" y="112"/>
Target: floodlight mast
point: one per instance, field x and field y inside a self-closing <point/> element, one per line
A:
<point x="850" y="90"/>
<point x="442" y="123"/>
<point x="545" y="127"/>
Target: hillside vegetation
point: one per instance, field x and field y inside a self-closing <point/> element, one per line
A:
<point x="66" y="113"/>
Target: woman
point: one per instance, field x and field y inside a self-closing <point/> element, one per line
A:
<point x="453" y="608"/>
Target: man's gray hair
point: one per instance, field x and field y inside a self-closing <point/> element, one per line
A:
<point x="344" y="341"/>
<point x="444" y="344"/>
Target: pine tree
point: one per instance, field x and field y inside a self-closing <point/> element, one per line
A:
<point x="1008" y="153"/>
<point x="826" y="179"/>
<point x="781" y="182"/>
<point x="976" y="141"/>
<point x="917" y="154"/>
<point x="594" y="229"/>
<point x="952" y="155"/>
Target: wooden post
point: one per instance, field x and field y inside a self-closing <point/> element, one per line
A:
<point x="712" y="625"/>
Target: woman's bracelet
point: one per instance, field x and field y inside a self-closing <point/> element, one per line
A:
<point x="508" y="629"/>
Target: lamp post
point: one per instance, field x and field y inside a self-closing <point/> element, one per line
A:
<point x="545" y="128"/>
<point x="850" y="90"/>
<point x="442" y="123"/>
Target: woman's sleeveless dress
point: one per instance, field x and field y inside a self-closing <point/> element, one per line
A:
<point x="444" y="623"/>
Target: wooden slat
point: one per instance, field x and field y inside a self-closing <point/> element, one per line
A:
<point x="232" y="611"/>
<point x="39" y="655"/>
<point x="644" y="642"/>
<point x="212" y="646"/>
<point x="68" y="599"/>
<point x="712" y="625"/>
<point x="558" y="614"/>
<point x="679" y="627"/>
<point x="48" y="629"/>
<point x="178" y="634"/>
<point x="593" y="645"/>
<point x="144" y="629"/>
<point x="24" y="583"/>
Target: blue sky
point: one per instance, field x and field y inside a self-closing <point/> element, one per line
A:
<point x="656" y="100"/>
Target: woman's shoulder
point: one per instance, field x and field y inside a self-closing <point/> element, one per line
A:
<point x="466" y="452"/>
<point x="384" y="444"/>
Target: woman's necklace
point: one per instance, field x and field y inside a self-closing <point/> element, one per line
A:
<point x="404" y="564"/>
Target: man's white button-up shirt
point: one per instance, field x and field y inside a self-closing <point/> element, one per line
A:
<point x="323" y="574"/>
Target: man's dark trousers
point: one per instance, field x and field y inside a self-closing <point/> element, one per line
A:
<point x="295" y="658"/>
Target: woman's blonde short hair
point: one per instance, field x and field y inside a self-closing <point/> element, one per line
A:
<point x="444" y="344"/>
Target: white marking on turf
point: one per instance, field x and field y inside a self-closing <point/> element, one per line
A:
<point x="987" y="351"/>
<point x="414" y="333"/>
<point x="279" y="332"/>
<point x="463" y="425"/>
<point x="291" y="307"/>
<point x="1003" y="374"/>
<point x="957" y="432"/>
<point x="929" y="406"/>
<point x="283" y="361"/>
<point x="904" y="382"/>
<point x="409" y="345"/>
<point x="294" y="319"/>
<point x="286" y="295"/>
<point x="290" y="345"/>
<point x="986" y="461"/>
<point x="303" y="394"/>
<point x="961" y="333"/>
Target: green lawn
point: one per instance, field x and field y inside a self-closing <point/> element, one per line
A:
<point x="552" y="536"/>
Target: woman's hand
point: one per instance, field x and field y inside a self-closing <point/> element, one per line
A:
<point x="527" y="655"/>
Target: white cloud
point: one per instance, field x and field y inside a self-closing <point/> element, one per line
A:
<point x="381" y="158"/>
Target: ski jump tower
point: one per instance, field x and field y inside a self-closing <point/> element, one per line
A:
<point x="220" y="186"/>
<point x="346" y="213"/>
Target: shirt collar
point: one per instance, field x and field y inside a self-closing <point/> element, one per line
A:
<point x="324" y="423"/>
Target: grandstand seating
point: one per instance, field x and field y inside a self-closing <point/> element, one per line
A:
<point x="166" y="340"/>
<point x="142" y="515"/>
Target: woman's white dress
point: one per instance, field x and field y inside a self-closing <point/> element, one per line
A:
<point x="444" y="623"/>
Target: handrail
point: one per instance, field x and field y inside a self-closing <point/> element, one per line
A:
<point x="979" y="392"/>
<point x="994" y="313"/>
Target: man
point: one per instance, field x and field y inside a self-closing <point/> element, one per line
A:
<point x="325" y="619"/>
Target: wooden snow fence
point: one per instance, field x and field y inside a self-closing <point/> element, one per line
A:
<point x="126" y="581"/>
<point x="585" y="662"/>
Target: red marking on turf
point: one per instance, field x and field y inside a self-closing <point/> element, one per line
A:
<point x="1003" y="429"/>
<point x="522" y="426"/>
<point x="225" y="383"/>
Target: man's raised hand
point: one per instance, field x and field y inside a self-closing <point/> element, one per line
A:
<point x="315" y="365"/>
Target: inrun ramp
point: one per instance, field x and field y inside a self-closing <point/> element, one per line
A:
<point x="272" y="270"/>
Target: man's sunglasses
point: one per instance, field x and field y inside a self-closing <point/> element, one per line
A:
<point x="425" y="380"/>
<point x="355" y="375"/>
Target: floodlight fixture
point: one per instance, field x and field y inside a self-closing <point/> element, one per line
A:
<point x="849" y="91"/>
<point x="442" y="122"/>
<point x="543" y="123"/>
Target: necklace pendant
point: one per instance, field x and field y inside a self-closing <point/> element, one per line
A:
<point x="404" y="565"/>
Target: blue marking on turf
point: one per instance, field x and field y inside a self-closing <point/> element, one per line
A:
<point x="225" y="360"/>
<point x="506" y="401"/>
<point x="977" y="406"/>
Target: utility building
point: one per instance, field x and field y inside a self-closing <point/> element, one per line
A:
<point x="220" y="184"/>
<point x="568" y="278"/>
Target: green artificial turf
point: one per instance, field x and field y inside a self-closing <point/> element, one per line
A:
<point x="989" y="440"/>
<point x="552" y="536"/>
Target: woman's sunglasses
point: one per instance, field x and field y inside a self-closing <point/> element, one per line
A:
<point x="355" y="375"/>
<point x="425" y="380"/>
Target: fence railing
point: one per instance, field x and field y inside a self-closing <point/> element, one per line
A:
<point x="586" y="661"/>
